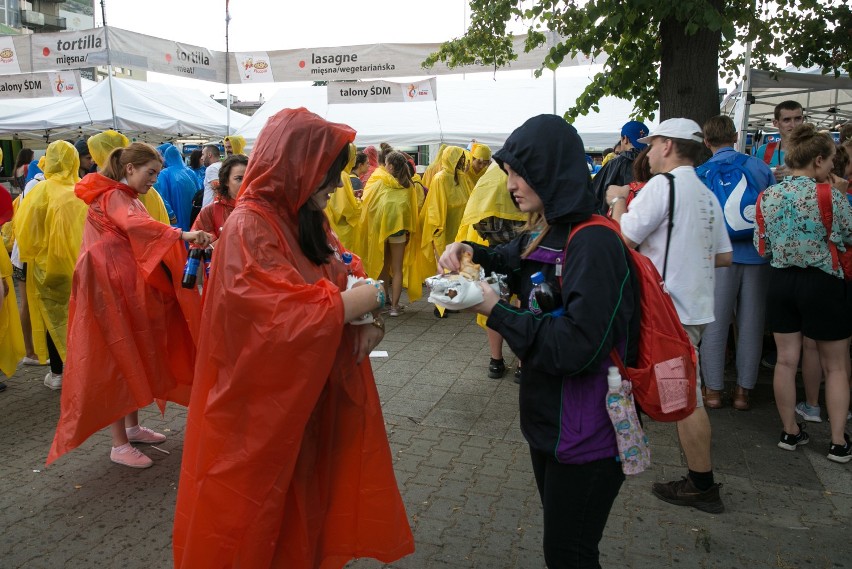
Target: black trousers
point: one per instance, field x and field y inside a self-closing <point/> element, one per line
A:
<point x="56" y="365"/>
<point x="577" y="499"/>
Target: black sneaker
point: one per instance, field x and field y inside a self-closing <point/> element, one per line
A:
<point x="684" y="493"/>
<point x="790" y="442"/>
<point x="437" y="313"/>
<point x="841" y="453"/>
<point x="496" y="368"/>
<point x="517" y="375"/>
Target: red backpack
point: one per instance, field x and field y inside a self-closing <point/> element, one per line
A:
<point x="664" y="380"/>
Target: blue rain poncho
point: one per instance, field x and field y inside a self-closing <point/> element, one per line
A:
<point x="177" y="184"/>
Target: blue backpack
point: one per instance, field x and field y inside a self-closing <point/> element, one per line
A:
<point x="736" y="190"/>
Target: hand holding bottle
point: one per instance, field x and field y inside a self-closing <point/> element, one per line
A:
<point x="201" y="238"/>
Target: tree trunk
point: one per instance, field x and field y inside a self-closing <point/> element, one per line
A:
<point x="689" y="71"/>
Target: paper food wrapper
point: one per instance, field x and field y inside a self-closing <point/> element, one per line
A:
<point x="456" y="292"/>
<point x="367" y="318"/>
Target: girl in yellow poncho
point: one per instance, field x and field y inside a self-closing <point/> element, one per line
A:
<point x="442" y="212"/>
<point x="434" y="167"/>
<point x="100" y="145"/>
<point x="388" y="219"/>
<point x="480" y="158"/>
<point x="491" y="218"/>
<point x="343" y="210"/>
<point x="11" y="333"/>
<point x="49" y="229"/>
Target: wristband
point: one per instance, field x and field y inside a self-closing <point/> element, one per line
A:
<point x="380" y="292"/>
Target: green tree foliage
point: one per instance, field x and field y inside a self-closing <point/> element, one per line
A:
<point x="664" y="55"/>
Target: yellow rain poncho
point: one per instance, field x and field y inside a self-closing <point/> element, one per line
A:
<point x="490" y="198"/>
<point x="442" y="213"/>
<point x="238" y="143"/>
<point x="100" y="145"/>
<point x="434" y="167"/>
<point x="477" y="152"/>
<point x="11" y="335"/>
<point x="388" y="208"/>
<point x="343" y="210"/>
<point x="49" y="229"/>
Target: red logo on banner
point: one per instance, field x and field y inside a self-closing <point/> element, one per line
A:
<point x="168" y="58"/>
<point x="45" y="52"/>
<point x="302" y="64"/>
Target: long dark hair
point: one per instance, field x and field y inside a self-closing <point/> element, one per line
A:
<point x="225" y="171"/>
<point x="312" y="222"/>
<point x="400" y="168"/>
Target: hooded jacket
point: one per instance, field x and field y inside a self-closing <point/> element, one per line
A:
<point x="178" y="185"/>
<point x="565" y="358"/>
<point x="49" y="228"/>
<point x="286" y="461"/>
<point x="131" y="326"/>
<point x="617" y="172"/>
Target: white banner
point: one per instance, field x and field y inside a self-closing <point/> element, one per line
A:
<point x="68" y="50"/>
<point x="31" y="85"/>
<point x="138" y="51"/>
<point x="381" y="92"/>
<point x="254" y="67"/>
<point x="8" y="56"/>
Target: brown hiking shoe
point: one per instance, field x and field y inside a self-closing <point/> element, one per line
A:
<point x="683" y="493"/>
<point x="740" y="396"/>
<point x="712" y="398"/>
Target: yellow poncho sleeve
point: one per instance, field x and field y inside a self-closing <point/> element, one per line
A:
<point x="49" y="229"/>
<point x="11" y="335"/>
<point x="7" y="231"/>
<point x="153" y="202"/>
<point x="490" y="198"/>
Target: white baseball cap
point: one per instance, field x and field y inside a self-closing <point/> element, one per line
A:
<point x="685" y="129"/>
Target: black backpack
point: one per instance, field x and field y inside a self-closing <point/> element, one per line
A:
<point x="197" y="200"/>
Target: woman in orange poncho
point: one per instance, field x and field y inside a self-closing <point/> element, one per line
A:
<point x="286" y="461"/>
<point x="212" y="217"/>
<point x="131" y="325"/>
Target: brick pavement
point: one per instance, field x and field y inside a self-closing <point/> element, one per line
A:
<point x="463" y="470"/>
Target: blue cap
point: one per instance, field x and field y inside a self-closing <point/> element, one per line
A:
<point x="537" y="278"/>
<point x="347" y="257"/>
<point x="634" y="130"/>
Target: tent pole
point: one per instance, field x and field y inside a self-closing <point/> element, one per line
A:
<point x="554" y="91"/>
<point x="227" y="73"/>
<point x="109" y="65"/>
<point x="742" y="128"/>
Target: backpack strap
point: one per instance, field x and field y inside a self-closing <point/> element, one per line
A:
<point x="595" y="219"/>
<point x="760" y="225"/>
<point x="826" y="213"/>
<point x="770" y="150"/>
<point x="671" y="221"/>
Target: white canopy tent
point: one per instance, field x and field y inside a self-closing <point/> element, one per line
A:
<point x="827" y="100"/>
<point x="482" y="108"/>
<point x="143" y="111"/>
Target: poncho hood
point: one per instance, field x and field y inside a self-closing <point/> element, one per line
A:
<point x="101" y="144"/>
<point x="61" y="163"/>
<point x="549" y="155"/>
<point x="238" y="143"/>
<point x="173" y="159"/>
<point x="450" y="158"/>
<point x="291" y="157"/>
<point x="93" y="185"/>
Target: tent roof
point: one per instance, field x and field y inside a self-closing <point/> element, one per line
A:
<point x="827" y="100"/>
<point x="144" y="111"/>
<point x="485" y="109"/>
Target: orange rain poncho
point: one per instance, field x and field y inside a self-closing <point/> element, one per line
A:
<point x="131" y="325"/>
<point x="387" y="209"/>
<point x="100" y="145"/>
<point x="48" y="228"/>
<point x="343" y="210"/>
<point x="441" y="215"/>
<point x="286" y="461"/>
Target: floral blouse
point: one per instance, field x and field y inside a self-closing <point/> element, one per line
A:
<point x="795" y="235"/>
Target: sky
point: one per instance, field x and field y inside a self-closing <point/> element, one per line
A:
<point x="266" y="25"/>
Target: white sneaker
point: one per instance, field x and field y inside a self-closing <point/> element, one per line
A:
<point x="28" y="361"/>
<point x="53" y="380"/>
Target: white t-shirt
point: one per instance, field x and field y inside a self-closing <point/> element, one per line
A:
<point x="698" y="235"/>
<point x="16" y="253"/>
<point x="210" y="174"/>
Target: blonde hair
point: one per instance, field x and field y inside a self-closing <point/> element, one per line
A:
<point x="535" y="222"/>
<point x="805" y="145"/>
<point x="138" y="154"/>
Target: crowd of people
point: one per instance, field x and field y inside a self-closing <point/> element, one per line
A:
<point x="312" y="243"/>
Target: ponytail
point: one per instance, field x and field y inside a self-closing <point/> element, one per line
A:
<point x="113" y="168"/>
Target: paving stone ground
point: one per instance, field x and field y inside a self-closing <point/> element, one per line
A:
<point x="463" y="471"/>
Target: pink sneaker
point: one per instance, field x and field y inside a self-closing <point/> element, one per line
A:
<point x="128" y="455"/>
<point x="140" y="434"/>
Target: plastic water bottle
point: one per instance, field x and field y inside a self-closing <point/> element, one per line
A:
<point x="190" y="270"/>
<point x="347" y="260"/>
<point x="542" y="299"/>
<point x="633" y="448"/>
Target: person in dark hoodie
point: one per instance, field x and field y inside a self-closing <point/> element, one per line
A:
<point x="619" y="170"/>
<point x="566" y="356"/>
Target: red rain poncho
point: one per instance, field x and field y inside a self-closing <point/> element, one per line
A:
<point x="372" y="163"/>
<point x="131" y="326"/>
<point x="286" y="461"/>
